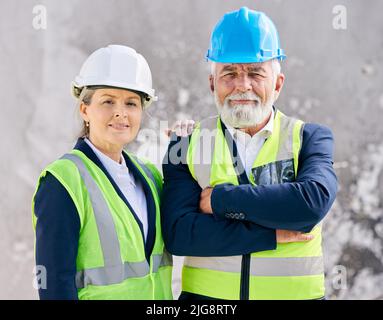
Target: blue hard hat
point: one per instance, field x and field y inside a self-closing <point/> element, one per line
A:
<point x="244" y="36"/>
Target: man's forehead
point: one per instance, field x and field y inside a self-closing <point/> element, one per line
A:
<point x="242" y="66"/>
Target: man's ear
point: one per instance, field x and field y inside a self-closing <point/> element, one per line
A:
<point x="279" y="85"/>
<point x="211" y="81"/>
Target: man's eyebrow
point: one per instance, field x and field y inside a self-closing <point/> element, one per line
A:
<point x="252" y="68"/>
<point x="256" y="68"/>
<point x="229" y="67"/>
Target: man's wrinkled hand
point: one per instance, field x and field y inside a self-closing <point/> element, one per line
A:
<point x="286" y="236"/>
<point x="182" y="128"/>
<point x="205" y="201"/>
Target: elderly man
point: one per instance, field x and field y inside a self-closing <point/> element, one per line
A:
<point x="245" y="193"/>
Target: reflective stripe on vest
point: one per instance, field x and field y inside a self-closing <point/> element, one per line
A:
<point x="261" y="267"/>
<point x="114" y="270"/>
<point x="203" y="153"/>
<point x="116" y="274"/>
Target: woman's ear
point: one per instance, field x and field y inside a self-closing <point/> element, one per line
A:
<point x="211" y="81"/>
<point x="84" y="111"/>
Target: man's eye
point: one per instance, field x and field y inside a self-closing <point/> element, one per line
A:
<point x="230" y="74"/>
<point x="108" y="102"/>
<point x="254" y="74"/>
<point x="131" y="104"/>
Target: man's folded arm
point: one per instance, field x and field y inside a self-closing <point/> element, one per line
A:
<point x="188" y="232"/>
<point x="298" y="205"/>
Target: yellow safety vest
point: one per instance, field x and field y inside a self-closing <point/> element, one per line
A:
<point x="292" y="270"/>
<point x="111" y="262"/>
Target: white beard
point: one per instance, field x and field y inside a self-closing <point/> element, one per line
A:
<point x="243" y="116"/>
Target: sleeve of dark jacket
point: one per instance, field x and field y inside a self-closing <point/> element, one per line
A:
<point x="298" y="205"/>
<point x="57" y="237"/>
<point x="186" y="231"/>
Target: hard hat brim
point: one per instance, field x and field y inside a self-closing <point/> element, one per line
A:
<point x="243" y="59"/>
<point x="107" y="83"/>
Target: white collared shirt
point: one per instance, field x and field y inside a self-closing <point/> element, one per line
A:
<point x="249" y="146"/>
<point x="130" y="187"/>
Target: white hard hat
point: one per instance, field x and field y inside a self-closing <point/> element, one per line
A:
<point x="116" y="66"/>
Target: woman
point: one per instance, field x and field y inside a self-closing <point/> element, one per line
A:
<point x="96" y="209"/>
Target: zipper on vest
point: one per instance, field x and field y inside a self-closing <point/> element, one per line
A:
<point x="245" y="277"/>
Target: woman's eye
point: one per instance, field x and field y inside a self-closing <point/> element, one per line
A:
<point x="108" y="102"/>
<point x="131" y="104"/>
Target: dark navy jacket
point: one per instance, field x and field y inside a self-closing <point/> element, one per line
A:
<point x="58" y="227"/>
<point x="298" y="205"/>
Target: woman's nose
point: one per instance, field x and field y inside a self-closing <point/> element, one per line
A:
<point x="120" y="112"/>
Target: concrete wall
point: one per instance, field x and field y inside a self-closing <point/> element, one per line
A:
<point x="333" y="77"/>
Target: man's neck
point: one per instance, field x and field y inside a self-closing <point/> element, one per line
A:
<point x="253" y="130"/>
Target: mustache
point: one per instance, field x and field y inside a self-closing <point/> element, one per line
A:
<point x="244" y="96"/>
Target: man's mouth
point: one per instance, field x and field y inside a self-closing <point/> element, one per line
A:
<point x="242" y="102"/>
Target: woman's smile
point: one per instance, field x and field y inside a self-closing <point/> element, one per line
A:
<point x="119" y="126"/>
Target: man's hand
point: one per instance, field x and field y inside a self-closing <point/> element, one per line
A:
<point x="286" y="236"/>
<point x="182" y="128"/>
<point x="205" y="201"/>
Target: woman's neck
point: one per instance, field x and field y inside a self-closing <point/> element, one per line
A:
<point x="112" y="151"/>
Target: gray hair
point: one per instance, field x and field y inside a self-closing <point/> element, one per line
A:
<point x="276" y="67"/>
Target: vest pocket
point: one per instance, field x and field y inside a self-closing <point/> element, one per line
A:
<point x="274" y="172"/>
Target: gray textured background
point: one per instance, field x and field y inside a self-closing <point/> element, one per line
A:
<point x="334" y="77"/>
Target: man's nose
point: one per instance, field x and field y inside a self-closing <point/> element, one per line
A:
<point x="243" y="83"/>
